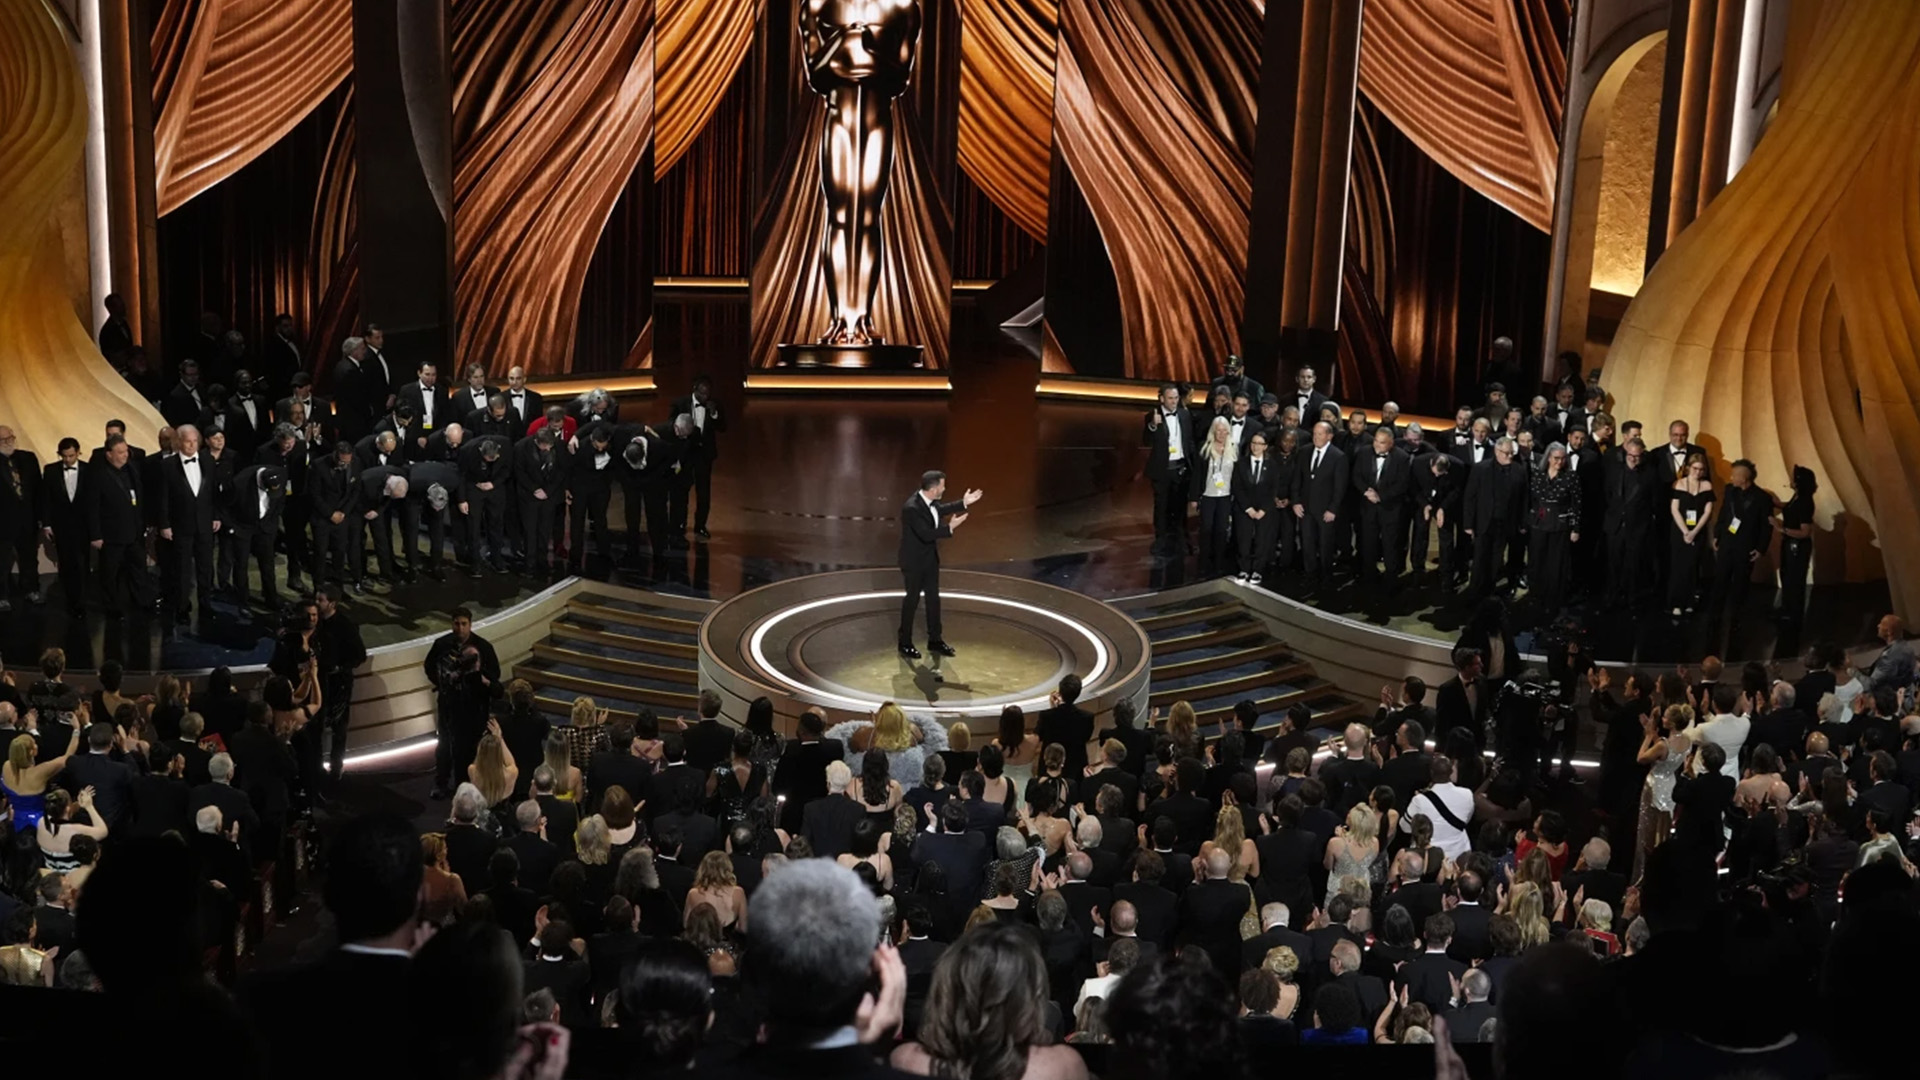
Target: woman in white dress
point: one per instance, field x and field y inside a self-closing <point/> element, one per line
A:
<point x="1663" y="748"/>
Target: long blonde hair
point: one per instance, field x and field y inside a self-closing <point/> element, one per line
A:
<point x="715" y="872"/>
<point x="20" y="754"/>
<point x="890" y="728"/>
<point x="167" y="691"/>
<point x="490" y="770"/>
<point x="584" y="712"/>
<point x="1207" y="449"/>
<point x="1230" y="835"/>
<point x="1526" y="904"/>
<point x="555" y="754"/>
<point x="1363" y="825"/>
<point x="1183" y="727"/>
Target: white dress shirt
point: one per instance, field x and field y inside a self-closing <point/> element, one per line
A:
<point x="479" y="397"/>
<point x="265" y="498"/>
<point x="71" y="474"/>
<point x="1176" y="448"/>
<point x="518" y="398"/>
<point x="699" y="415"/>
<point x="191" y="466"/>
<point x="932" y="509"/>
<point x="426" y="407"/>
<point x="253" y="418"/>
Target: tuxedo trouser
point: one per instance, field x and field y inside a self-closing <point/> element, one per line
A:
<point x="484" y="510"/>
<point x="1380" y="542"/>
<point x="1732" y="575"/>
<point x="1318" y="540"/>
<point x="702" y="490"/>
<point x="633" y="508"/>
<point x="435" y="523"/>
<point x="1489" y="545"/>
<point x="1170" y="508"/>
<point x="1216" y="532"/>
<point x="1796" y="558"/>
<point x="443" y="722"/>
<point x="658" y="528"/>
<point x="677" y="491"/>
<point x="585" y="506"/>
<point x="338" y="716"/>
<point x="921" y="580"/>
<point x="1423" y="533"/>
<point x="229" y="559"/>
<point x="256" y="545"/>
<point x="21" y="544"/>
<point x="73" y="569"/>
<point x="192" y="566"/>
<point x="293" y="522"/>
<point x="536" y="531"/>
<point x="1626" y="550"/>
<point x="382" y="526"/>
<point x="1286" y="538"/>
<point x="123" y="572"/>
<point x="1254" y="539"/>
<point x="336" y="540"/>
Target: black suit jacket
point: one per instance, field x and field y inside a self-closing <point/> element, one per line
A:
<point x="243" y="511"/>
<point x="1470" y="941"/>
<point x="1157" y="440"/>
<point x="1323" y="489"/>
<point x="1082" y="899"/>
<point x="828" y="826"/>
<point x="1310" y="415"/>
<point x="181" y="407"/>
<point x="801" y="776"/>
<point x="234" y="806"/>
<point x="1428" y="978"/>
<point x="1072" y="727"/>
<point x="676" y="787"/>
<point x="1254" y="950"/>
<point x="1632" y="496"/>
<point x="1274" y="484"/>
<point x="443" y="411"/>
<point x="608" y="768"/>
<point x="461" y="404"/>
<point x="159" y="804"/>
<point x="468" y="850"/>
<point x="116" y="504"/>
<point x="1210" y="913"/>
<point x="919" y="536"/>
<point x="178" y="507"/>
<point x="112" y="784"/>
<point x="709" y="743"/>
<point x="1157" y="910"/>
<point x="1495" y="492"/>
<point x="1664" y="460"/>
<point x="1396" y="478"/>
<point x="963" y="855"/>
<point x="1450" y="709"/>
<point x="706" y="439"/>
<point x="537" y="859"/>
<point x="66" y="517"/>
<point x="532" y="408"/>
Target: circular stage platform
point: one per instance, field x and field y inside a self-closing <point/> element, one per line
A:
<point x="829" y="640"/>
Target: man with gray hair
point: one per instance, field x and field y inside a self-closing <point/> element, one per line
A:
<point x="469" y="848"/>
<point x="832" y="985"/>
<point x="1491" y="511"/>
<point x="1085" y="900"/>
<point x="828" y="822"/>
<point x="357" y="398"/>
<point x="682" y="449"/>
<point x="216" y="848"/>
<point x="187" y="508"/>
<point x="1590" y="874"/>
<point x="1091" y="834"/>
<point x="538" y="856"/>
<point x="1470" y="1009"/>
<point x="1275" y="931"/>
<point x="232" y="804"/>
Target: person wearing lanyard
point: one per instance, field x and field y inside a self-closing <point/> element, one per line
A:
<point x="1796" y="548"/>
<point x="1210" y="488"/>
<point x="1168" y="434"/>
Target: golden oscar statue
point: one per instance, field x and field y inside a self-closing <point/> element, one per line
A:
<point x="859" y="57"/>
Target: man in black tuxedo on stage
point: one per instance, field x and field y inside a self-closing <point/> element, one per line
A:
<point x="1633" y="503"/>
<point x="247" y="421"/>
<point x="527" y="405"/>
<point x="431" y="412"/>
<point x="540" y="492"/>
<point x="1383" y="479"/>
<point x="708" y="423"/>
<point x="924" y="522"/>
<point x="19" y="519"/>
<point x="1319" y="489"/>
<point x="187" y="513"/>
<point x="1172" y="437"/>
<point x="63" y="521"/>
<point x="188" y="399"/>
<point x="359" y="393"/>
<point x="1494" y="508"/>
<point x="1305" y="398"/>
<point x="117" y="527"/>
<point x="474" y="396"/>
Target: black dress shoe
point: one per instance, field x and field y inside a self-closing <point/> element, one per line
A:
<point x="909" y="652"/>
<point x="940" y="647"/>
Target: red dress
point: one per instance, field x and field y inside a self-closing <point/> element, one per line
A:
<point x="1556" y="864"/>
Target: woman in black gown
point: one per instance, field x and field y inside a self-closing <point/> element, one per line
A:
<point x="1796" y="544"/>
<point x="1691" y="508"/>
<point x="1553" y="526"/>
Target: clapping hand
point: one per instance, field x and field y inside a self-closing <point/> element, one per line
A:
<point x="972" y="496"/>
<point x="493" y="728"/>
<point x="956" y="521"/>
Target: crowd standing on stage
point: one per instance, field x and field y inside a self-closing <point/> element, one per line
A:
<point x="253" y="462"/>
<point x="1545" y="494"/>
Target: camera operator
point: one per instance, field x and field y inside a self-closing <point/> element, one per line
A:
<point x="465" y="673"/>
<point x="341" y="653"/>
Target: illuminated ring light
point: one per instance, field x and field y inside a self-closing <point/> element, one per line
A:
<point x="756" y="651"/>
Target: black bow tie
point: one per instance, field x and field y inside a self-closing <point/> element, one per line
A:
<point x="69" y="468"/>
<point x="189" y="461"/>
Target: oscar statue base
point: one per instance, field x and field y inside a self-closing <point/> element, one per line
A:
<point x="851" y="358"/>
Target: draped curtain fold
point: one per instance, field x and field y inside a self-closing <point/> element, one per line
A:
<point x="1006" y="104"/>
<point x="553" y="108"/>
<point x="231" y="77"/>
<point x="701" y="46"/>
<point x="1478" y="85"/>
<point x="1153" y="114"/>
